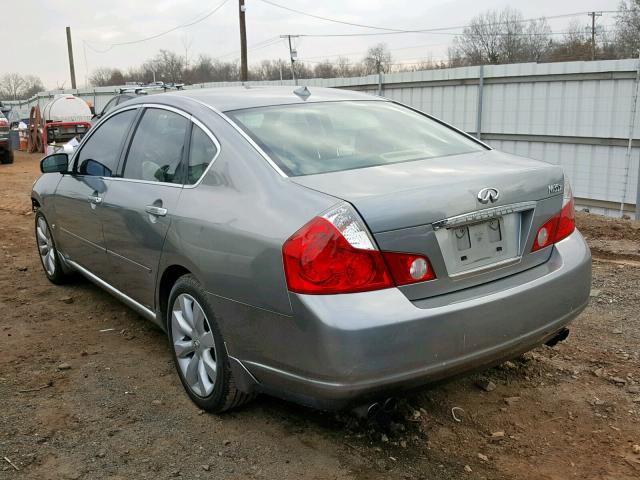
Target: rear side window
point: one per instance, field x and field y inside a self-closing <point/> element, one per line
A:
<point x="201" y="154"/>
<point x="305" y="139"/>
<point x="157" y="147"/>
<point x="99" y="155"/>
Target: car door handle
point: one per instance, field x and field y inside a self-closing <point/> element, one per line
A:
<point x="157" y="211"/>
<point x="94" y="199"/>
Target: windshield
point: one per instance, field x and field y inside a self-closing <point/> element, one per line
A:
<point x="305" y="139"/>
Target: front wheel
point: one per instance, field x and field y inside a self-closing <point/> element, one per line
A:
<point x="49" y="256"/>
<point x="198" y="349"/>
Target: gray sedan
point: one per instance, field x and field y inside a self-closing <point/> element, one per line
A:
<point x="320" y="245"/>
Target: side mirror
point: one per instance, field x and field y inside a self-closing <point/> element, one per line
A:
<point x="56" y="163"/>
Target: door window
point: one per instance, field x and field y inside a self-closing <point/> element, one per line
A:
<point x="201" y="153"/>
<point x="157" y="147"/>
<point x="112" y="103"/>
<point x="99" y="156"/>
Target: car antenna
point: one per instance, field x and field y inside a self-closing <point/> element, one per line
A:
<point x="302" y="92"/>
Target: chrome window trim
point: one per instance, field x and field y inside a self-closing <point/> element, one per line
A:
<point x="161" y="106"/>
<point x="149" y="182"/>
<point x="215" y="141"/>
<point x="244" y="135"/>
<point x="91" y="132"/>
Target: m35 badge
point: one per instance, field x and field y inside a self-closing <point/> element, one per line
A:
<point x="555" y="188"/>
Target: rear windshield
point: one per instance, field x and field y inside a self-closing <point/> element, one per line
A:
<point x="305" y="139"/>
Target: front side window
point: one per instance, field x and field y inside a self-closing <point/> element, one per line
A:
<point x="201" y="153"/>
<point x="100" y="154"/>
<point x="306" y="139"/>
<point x="157" y="147"/>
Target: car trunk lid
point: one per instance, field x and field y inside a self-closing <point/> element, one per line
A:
<point x="422" y="206"/>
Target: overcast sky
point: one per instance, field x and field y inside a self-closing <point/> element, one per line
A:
<point x="33" y="31"/>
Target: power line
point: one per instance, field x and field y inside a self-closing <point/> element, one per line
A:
<point x="177" y="27"/>
<point x="392" y="31"/>
<point x="256" y="46"/>
<point x="306" y="14"/>
<point x="453" y="34"/>
<point x="347" y="54"/>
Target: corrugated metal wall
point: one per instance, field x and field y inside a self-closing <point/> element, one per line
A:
<point x="575" y="114"/>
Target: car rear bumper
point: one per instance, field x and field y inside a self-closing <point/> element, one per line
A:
<point x="339" y="350"/>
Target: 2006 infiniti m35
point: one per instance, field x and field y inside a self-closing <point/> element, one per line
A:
<point x="325" y="246"/>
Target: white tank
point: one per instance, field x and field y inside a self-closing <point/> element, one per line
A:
<point x="66" y="108"/>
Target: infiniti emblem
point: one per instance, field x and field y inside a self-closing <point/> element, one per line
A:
<point x="487" y="195"/>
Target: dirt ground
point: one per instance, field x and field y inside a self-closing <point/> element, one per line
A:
<point x="88" y="390"/>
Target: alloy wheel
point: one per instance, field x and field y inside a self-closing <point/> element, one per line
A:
<point x="193" y="344"/>
<point x="45" y="246"/>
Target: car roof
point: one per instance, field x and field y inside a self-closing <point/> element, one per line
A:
<point x="236" y="98"/>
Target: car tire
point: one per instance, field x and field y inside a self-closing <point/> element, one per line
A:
<point x="49" y="256"/>
<point x="199" y="352"/>
<point x="6" y="157"/>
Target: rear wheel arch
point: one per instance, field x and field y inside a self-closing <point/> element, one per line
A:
<point x="169" y="277"/>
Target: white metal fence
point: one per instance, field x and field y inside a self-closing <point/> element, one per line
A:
<point x="576" y="114"/>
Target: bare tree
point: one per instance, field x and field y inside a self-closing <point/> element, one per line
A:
<point x="480" y="41"/>
<point x="324" y="69"/>
<point x="627" y="35"/>
<point x="574" y="45"/>
<point x="537" y="40"/>
<point x="503" y="36"/>
<point x="32" y="86"/>
<point x="377" y="59"/>
<point x="167" y="65"/>
<point x="512" y="42"/>
<point x="12" y="86"/>
<point x="103" y="77"/>
<point x="343" y="67"/>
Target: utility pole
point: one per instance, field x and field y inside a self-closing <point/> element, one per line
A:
<point x="593" y="16"/>
<point x="72" y="68"/>
<point x="293" y="54"/>
<point x="244" y="74"/>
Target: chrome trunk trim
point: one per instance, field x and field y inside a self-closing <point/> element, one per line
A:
<point x="482" y="215"/>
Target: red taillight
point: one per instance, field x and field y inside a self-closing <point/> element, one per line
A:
<point x="566" y="222"/>
<point x="408" y="268"/>
<point x="545" y="234"/>
<point x="318" y="259"/>
<point x="560" y="226"/>
<point x="334" y="254"/>
<point x="4" y="122"/>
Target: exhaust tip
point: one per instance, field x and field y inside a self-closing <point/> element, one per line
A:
<point x="561" y="336"/>
<point x="389" y="405"/>
<point x="373" y="410"/>
<point x="367" y="411"/>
